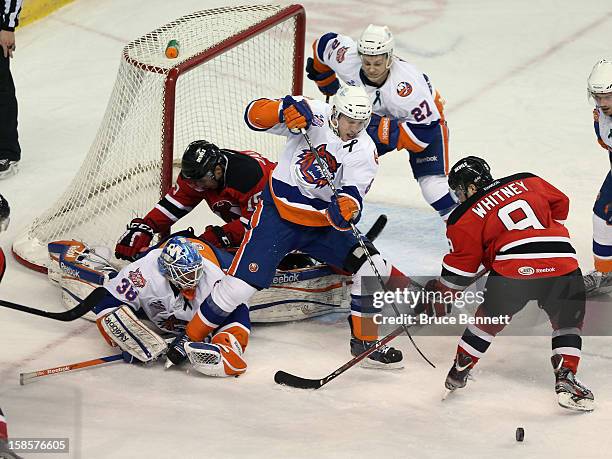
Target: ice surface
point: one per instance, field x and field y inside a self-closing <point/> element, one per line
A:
<point x="514" y="74"/>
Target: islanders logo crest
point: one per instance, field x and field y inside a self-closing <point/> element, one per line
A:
<point x="404" y="89"/>
<point x="137" y="278"/>
<point x="309" y="169"/>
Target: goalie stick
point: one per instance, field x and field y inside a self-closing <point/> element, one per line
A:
<point x="25" y="378"/>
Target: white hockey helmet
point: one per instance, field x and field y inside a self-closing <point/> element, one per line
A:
<point x="376" y="40"/>
<point x="600" y="79"/>
<point x="353" y="102"/>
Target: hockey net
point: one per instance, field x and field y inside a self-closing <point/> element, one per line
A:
<point x="228" y="57"/>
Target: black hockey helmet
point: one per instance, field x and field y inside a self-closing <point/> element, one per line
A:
<point x="200" y="159"/>
<point x="469" y="170"/>
<point x="5" y="211"/>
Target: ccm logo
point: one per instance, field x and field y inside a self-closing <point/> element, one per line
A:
<point x="526" y="271"/>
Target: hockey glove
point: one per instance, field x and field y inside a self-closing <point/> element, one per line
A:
<point x="342" y="211"/>
<point x="217" y="237"/>
<point x="436" y="300"/>
<point x="385" y="133"/>
<point x="326" y="81"/>
<point x="136" y="239"/>
<point x="176" y="351"/>
<point x="296" y="114"/>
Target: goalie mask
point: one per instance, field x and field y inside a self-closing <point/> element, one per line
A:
<point x="354" y="103"/>
<point x="181" y="263"/>
<point x="200" y="159"/>
<point x="470" y="170"/>
<point x="5" y="211"/>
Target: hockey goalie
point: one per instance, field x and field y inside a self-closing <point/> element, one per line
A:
<point x="140" y="306"/>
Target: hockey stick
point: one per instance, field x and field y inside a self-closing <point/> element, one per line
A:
<point x="66" y="316"/>
<point x="377" y="228"/>
<point x="287" y="379"/>
<point x="25" y="378"/>
<point x="359" y="238"/>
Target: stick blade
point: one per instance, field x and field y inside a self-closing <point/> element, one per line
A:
<point x="377" y="227"/>
<point x="287" y="379"/>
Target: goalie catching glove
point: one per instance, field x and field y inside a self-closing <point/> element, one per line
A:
<point x="343" y="210"/>
<point x="221" y="357"/>
<point x="136" y="239"/>
<point x="296" y="114"/>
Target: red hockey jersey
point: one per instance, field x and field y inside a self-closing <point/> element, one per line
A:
<point x="246" y="175"/>
<point x="513" y="226"/>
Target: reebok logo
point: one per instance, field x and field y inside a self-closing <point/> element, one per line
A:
<point x="426" y="159"/>
<point x="69" y="270"/>
<point x="285" y="278"/>
<point x="115" y="330"/>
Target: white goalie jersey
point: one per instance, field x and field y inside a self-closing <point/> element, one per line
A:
<point x="142" y="286"/>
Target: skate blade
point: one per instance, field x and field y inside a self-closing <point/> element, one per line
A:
<point x="373" y="364"/>
<point x="566" y="400"/>
<point x="447" y="392"/>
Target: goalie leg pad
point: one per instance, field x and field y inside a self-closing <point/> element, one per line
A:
<point x="221" y="358"/>
<point x="131" y="335"/>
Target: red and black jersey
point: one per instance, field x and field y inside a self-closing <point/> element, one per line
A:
<point x="513" y="226"/>
<point x="246" y="175"/>
<point x="2" y="264"/>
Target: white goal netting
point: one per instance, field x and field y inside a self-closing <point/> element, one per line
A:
<point x="228" y="57"/>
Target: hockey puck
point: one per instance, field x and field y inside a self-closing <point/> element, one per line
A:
<point x="520" y="434"/>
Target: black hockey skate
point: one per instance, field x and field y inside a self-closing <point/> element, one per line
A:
<point x="571" y="393"/>
<point x="458" y="374"/>
<point x="597" y="283"/>
<point x="385" y="357"/>
<point x="8" y="167"/>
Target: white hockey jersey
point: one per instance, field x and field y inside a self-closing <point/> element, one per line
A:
<point x="406" y="95"/>
<point x="141" y="286"/>
<point x="298" y="186"/>
<point x="603" y="130"/>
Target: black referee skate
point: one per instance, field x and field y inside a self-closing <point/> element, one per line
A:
<point x="571" y="393"/>
<point x="458" y="374"/>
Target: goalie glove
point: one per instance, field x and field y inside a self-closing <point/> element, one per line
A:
<point x="326" y="81"/>
<point x="343" y="210"/>
<point x="217" y="236"/>
<point x="296" y="114"/>
<point x="136" y="239"/>
<point x="221" y="357"/>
